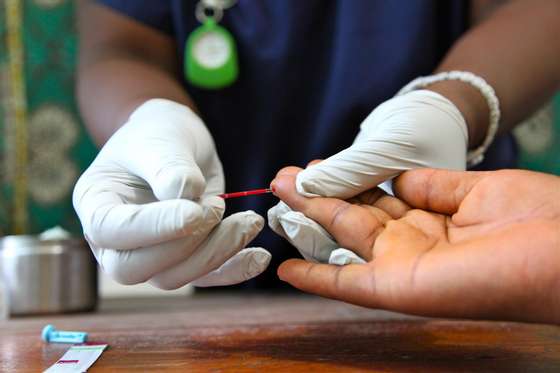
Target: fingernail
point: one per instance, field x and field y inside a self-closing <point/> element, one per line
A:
<point x="255" y="219"/>
<point x="273" y="186"/>
<point x="259" y="261"/>
<point x="279" y="273"/>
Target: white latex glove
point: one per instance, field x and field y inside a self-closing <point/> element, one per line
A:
<point x="418" y="129"/>
<point x="149" y="208"/>
<point x="312" y="241"/>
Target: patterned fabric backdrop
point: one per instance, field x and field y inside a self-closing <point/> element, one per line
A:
<point x="539" y="139"/>
<point x="43" y="145"/>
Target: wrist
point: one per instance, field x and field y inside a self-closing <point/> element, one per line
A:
<point x="470" y="103"/>
<point x="163" y="108"/>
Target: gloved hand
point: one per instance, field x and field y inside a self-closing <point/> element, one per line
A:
<point x="313" y="242"/>
<point x="415" y="130"/>
<point x="149" y="208"/>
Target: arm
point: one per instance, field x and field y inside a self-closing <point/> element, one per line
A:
<point x="516" y="51"/>
<point x="122" y="65"/>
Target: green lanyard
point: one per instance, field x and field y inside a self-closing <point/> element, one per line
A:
<point x="210" y="50"/>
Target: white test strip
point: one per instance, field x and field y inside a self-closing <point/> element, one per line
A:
<point x="77" y="359"/>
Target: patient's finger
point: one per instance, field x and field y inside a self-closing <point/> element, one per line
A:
<point x="352" y="226"/>
<point x="377" y="197"/>
<point x="353" y="283"/>
<point x="290" y="170"/>
<point x="315" y="161"/>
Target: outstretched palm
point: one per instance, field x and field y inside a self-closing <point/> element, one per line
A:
<point x="479" y="245"/>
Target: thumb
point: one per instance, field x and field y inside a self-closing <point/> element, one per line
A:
<point x="166" y="163"/>
<point x="435" y="190"/>
<point x="353" y="170"/>
<point x="183" y="179"/>
<point x="165" y="144"/>
<point x="417" y="130"/>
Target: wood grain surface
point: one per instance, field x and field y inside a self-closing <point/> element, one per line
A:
<point x="287" y="333"/>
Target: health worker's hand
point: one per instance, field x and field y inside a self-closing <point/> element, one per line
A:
<point x="419" y="129"/>
<point x="453" y="244"/>
<point x="416" y="130"/>
<point x="149" y="208"/>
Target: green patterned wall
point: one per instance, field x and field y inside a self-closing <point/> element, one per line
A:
<point x="57" y="147"/>
<point x="4" y="217"/>
<point x="539" y="139"/>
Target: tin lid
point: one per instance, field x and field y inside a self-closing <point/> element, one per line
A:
<point x="32" y="242"/>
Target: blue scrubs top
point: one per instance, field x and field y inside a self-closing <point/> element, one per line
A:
<point x="310" y="72"/>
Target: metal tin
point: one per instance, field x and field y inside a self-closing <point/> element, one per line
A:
<point x="47" y="276"/>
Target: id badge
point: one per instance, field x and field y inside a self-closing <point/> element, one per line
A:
<point x="211" y="56"/>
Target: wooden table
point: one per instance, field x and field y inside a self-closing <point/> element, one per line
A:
<point x="286" y="333"/>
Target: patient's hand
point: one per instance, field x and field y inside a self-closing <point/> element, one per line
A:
<point x="474" y="245"/>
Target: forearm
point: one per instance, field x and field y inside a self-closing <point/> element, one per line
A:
<point x="121" y="65"/>
<point x="109" y="90"/>
<point x="517" y="52"/>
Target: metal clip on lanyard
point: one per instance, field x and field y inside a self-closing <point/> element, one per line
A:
<point x="210" y="50"/>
